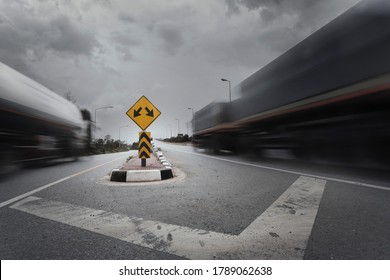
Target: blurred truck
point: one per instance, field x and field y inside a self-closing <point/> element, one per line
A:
<point x="329" y="95"/>
<point x="36" y="123"/>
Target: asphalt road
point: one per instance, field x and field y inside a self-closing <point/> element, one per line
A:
<point x="216" y="207"/>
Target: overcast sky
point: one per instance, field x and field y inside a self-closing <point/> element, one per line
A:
<point x="175" y="52"/>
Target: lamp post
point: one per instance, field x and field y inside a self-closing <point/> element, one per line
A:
<point x="106" y="107"/>
<point x="178" y="127"/>
<point x="170" y="126"/>
<point x="230" y="90"/>
<point x="192" y="120"/>
<point x="120" y="133"/>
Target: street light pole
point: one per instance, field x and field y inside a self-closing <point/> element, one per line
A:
<point x="120" y="133"/>
<point x="192" y="121"/>
<point x="106" y="107"/>
<point x="192" y="112"/>
<point x="230" y="90"/>
<point x="178" y="127"/>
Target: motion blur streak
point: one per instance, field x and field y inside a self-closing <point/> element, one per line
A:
<point x="36" y="123"/>
<point x="328" y="97"/>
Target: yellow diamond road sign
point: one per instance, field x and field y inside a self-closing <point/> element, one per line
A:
<point x="143" y="113"/>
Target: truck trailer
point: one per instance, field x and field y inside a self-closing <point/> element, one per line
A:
<point x="36" y="124"/>
<point x="329" y="95"/>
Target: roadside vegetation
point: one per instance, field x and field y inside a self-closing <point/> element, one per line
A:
<point x="106" y="146"/>
<point x="178" y="139"/>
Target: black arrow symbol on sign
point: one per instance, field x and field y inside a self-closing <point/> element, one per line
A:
<point x="149" y="112"/>
<point x="144" y="155"/>
<point x="144" y="145"/>
<point x="144" y="135"/>
<point x="137" y="112"/>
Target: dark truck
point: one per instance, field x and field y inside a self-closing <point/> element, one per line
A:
<point x="36" y="123"/>
<point x="329" y="95"/>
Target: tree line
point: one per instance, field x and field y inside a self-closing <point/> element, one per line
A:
<point x="107" y="145"/>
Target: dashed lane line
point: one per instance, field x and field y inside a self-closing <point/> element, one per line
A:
<point x="12" y="200"/>
<point x="281" y="232"/>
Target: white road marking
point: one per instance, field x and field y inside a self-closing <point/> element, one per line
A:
<point x="12" y="200"/>
<point x="373" y="186"/>
<point x="281" y="232"/>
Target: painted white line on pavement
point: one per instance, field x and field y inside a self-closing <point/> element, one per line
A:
<point x="288" y="171"/>
<point x="12" y="200"/>
<point x="281" y="232"/>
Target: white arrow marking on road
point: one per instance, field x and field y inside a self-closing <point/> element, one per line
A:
<point x="281" y="232"/>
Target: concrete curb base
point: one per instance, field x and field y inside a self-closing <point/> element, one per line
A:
<point x="139" y="175"/>
<point x="118" y="175"/>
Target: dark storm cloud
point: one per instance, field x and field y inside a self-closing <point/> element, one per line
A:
<point x="25" y="38"/>
<point x="306" y="10"/>
<point x="67" y="38"/>
<point x="171" y="34"/>
<point x="232" y="7"/>
<point x="125" y="38"/>
<point x="124" y="41"/>
<point x="20" y="41"/>
<point x="11" y="39"/>
<point x="277" y="5"/>
<point x="126" y="18"/>
<point x="270" y="10"/>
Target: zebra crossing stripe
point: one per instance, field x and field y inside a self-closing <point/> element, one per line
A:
<point x="280" y="232"/>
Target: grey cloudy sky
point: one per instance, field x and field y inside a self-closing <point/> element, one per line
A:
<point x="175" y="52"/>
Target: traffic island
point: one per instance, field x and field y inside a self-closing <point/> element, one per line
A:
<point x="132" y="171"/>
